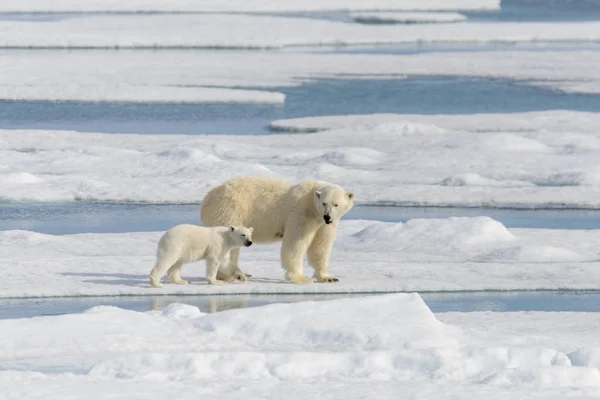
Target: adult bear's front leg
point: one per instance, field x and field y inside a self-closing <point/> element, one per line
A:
<point x="319" y="253"/>
<point x="230" y="269"/>
<point x="293" y="250"/>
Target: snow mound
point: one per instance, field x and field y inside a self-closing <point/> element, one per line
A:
<point x="385" y="336"/>
<point x="472" y="179"/>
<point x="585" y="357"/>
<point x="454" y="232"/>
<point x="406" y="128"/>
<point x="407" y="17"/>
<point x="185" y="154"/>
<point x="533" y="254"/>
<point x="181" y="311"/>
<point x="512" y="142"/>
<point x="24" y="178"/>
<point x="547" y="254"/>
<point x="390" y="321"/>
<point x="575" y="142"/>
<point x="107" y="310"/>
<point x="569" y="178"/>
<point x="348" y="156"/>
<point x="26" y="238"/>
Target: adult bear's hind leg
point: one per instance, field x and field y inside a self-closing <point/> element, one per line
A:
<point x="162" y="265"/>
<point x="174" y="274"/>
<point x="319" y="253"/>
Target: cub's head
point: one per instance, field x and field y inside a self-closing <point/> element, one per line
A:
<point x="332" y="202"/>
<point x="241" y="235"/>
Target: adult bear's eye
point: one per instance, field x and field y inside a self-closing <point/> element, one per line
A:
<point x="335" y="205"/>
<point x="324" y="204"/>
<point x="243" y="235"/>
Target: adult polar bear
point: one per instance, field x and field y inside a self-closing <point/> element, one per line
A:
<point x="304" y="216"/>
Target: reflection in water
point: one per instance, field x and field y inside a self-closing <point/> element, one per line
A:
<point x="588" y="301"/>
<point x="207" y="304"/>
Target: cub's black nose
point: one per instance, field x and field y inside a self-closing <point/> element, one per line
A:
<point x="327" y="219"/>
<point x="248" y="243"/>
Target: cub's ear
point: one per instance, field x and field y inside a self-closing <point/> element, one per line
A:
<point x="350" y="195"/>
<point x="318" y="193"/>
<point x="231" y="228"/>
<point x="251" y="229"/>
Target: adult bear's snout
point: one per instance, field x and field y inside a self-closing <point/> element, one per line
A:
<point x="248" y="243"/>
<point x="327" y="218"/>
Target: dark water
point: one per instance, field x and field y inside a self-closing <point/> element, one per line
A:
<point x="437" y="302"/>
<point x="77" y="217"/>
<point x="416" y="95"/>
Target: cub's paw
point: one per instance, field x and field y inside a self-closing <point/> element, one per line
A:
<point x="155" y="283"/>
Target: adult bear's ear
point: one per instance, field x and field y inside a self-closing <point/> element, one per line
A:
<point x="231" y="228"/>
<point x="350" y="195"/>
<point x="318" y="193"/>
<point x="251" y="229"/>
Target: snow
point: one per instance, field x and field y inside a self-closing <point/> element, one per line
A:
<point x="529" y="160"/>
<point x="295" y="349"/>
<point x="407" y="17"/>
<point x="203" y="76"/>
<point x="147" y="94"/>
<point x="246" y="6"/>
<point x="248" y="31"/>
<point x="452" y="254"/>
<point x="546" y="121"/>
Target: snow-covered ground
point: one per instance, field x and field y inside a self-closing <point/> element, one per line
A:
<point x="421" y="255"/>
<point x="241" y="6"/>
<point x="199" y="76"/>
<point x="544" y="159"/>
<point x="248" y="31"/>
<point x="407" y="17"/>
<point x="372" y="346"/>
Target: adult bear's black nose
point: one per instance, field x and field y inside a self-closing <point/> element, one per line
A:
<point x="327" y="218"/>
<point x="248" y="243"/>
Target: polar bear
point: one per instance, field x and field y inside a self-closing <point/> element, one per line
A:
<point x="304" y="216"/>
<point x="188" y="243"/>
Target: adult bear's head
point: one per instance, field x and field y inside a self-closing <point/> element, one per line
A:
<point x="333" y="202"/>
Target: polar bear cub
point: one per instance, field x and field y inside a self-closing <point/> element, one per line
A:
<point x="186" y="243"/>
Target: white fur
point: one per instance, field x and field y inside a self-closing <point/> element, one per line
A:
<point x="186" y="243"/>
<point x="281" y="211"/>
